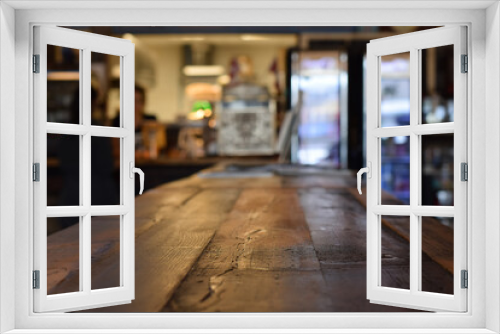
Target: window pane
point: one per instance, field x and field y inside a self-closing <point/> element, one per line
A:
<point x="63" y="255"/>
<point x="63" y="170"/>
<point x="63" y="85"/>
<point x="395" y="258"/>
<point x="395" y="170"/>
<point x="395" y="89"/>
<point x="437" y="84"/>
<point x="437" y="169"/>
<point x="105" y="236"/>
<point x="105" y="176"/>
<point x="437" y="254"/>
<point x="105" y="91"/>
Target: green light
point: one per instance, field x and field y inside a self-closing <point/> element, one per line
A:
<point x="201" y="105"/>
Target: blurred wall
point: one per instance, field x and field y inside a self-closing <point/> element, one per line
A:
<point x="164" y="99"/>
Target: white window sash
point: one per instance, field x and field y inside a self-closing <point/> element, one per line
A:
<point x="85" y="298"/>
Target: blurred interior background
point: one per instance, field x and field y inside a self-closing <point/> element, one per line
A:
<point x="280" y="94"/>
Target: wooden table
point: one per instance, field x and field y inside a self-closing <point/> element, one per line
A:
<point x="270" y="244"/>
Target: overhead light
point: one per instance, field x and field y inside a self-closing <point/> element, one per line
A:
<point x="203" y="70"/>
<point x="129" y="37"/>
<point x="193" y="38"/>
<point x="249" y="38"/>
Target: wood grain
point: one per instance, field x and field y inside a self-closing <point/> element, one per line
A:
<point x="63" y="246"/>
<point x="263" y="249"/>
<point x="276" y="244"/>
<point x="338" y="228"/>
<point x="168" y="250"/>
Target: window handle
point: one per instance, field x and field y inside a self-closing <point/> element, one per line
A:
<point x="141" y="175"/>
<point x="368" y="171"/>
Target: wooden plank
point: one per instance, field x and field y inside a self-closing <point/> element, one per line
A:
<point x="62" y="248"/>
<point x="319" y="181"/>
<point x="338" y="229"/>
<point x="287" y="176"/>
<point x="259" y="259"/>
<point x="251" y="290"/>
<point x="62" y="258"/>
<point x="264" y="259"/>
<point x="347" y="289"/>
<point x="166" y="251"/>
<point x="279" y="244"/>
<point x="216" y="183"/>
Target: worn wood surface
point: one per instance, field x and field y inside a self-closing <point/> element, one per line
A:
<point x="263" y="249"/>
<point x="274" y="244"/>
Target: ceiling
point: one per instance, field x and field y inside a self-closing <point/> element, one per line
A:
<point x="255" y="4"/>
<point x="285" y="40"/>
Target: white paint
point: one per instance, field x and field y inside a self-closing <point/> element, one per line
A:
<point x="414" y="297"/>
<point x="492" y="163"/>
<point x="247" y="4"/>
<point x="85" y="298"/>
<point x="7" y="166"/>
<point x="367" y="323"/>
<point x="262" y="331"/>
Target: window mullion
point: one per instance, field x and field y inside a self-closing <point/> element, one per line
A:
<point x="418" y="129"/>
<point x="434" y="129"/>
<point x="392" y="210"/>
<point x="111" y="132"/>
<point x="415" y="246"/>
<point x="66" y="129"/>
<point x="433" y="211"/>
<point x="85" y="166"/>
<point x="392" y="131"/>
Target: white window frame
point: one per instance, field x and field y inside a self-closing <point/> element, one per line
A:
<point x="414" y="43"/>
<point x="85" y="297"/>
<point x="483" y="102"/>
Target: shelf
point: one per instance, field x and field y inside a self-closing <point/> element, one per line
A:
<point x="63" y="76"/>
